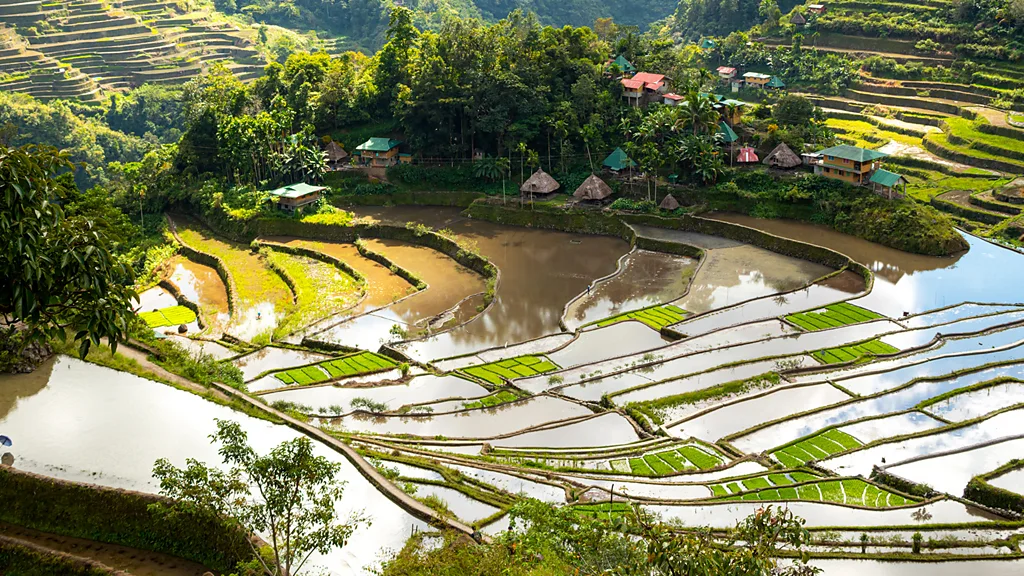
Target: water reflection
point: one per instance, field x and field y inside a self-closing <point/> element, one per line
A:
<point x="541" y="270"/>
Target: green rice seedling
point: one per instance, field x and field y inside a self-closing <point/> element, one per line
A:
<point x="700" y="458"/>
<point x="768" y="495"/>
<point x="788" y="493"/>
<point x="673" y="460"/>
<point x="528" y="360"/>
<point x="659" y="466"/>
<point x="842" y="438"/>
<point x="756" y="483"/>
<point x="545" y="366"/>
<point x="787" y="459"/>
<point x="718" y="490"/>
<point x="815" y="452"/>
<point x="507" y="363"/>
<point x="855" y="491"/>
<point x="639" y="467"/>
<point x="808" y="492"/>
<point x="778" y="479"/>
<point x="832" y="491"/>
<point x="285" y="377"/>
<point x="734" y="487"/>
<point x="799" y="476"/>
<point x="825" y="444"/>
<point x="523" y="371"/>
<point x="485" y="375"/>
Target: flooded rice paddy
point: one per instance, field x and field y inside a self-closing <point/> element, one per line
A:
<point x="669" y="421"/>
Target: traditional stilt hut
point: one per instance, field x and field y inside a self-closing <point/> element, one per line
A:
<point x="336" y="155"/>
<point x="782" y="157"/>
<point x="669" y="203"/>
<point x="539" y="183"/>
<point x="593" y="189"/>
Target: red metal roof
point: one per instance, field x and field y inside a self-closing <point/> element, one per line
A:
<point x="673" y="96"/>
<point x="725" y="70"/>
<point x="648" y="78"/>
<point x="632" y="83"/>
<point x="747" y="154"/>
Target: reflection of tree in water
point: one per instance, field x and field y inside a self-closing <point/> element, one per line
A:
<point x="14" y="387"/>
<point x="647" y="278"/>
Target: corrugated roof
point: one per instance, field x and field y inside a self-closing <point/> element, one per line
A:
<point x="295" y="190"/>
<point x="775" y="82"/>
<point x="673" y="96"/>
<point x="852" y="153"/>
<point x="756" y="75"/>
<point x="885" y="178"/>
<point x="623" y="64"/>
<point x="378" y="145"/>
<point x="725" y="70"/>
<point x="648" y="77"/>
<point x="632" y="84"/>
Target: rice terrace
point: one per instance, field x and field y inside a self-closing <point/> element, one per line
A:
<point x="367" y="288"/>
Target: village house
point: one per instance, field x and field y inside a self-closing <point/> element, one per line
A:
<point x="644" y="88"/>
<point x="850" y="164"/>
<point x="726" y="73"/>
<point x="671" y="99"/>
<point x="380" y="153"/>
<point x="291" y="198"/>
<point x="756" y="79"/>
<point x="775" y="83"/>
<point x="818" y="9"/>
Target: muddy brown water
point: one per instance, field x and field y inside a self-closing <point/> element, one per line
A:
<point x="135" y="561"/>
<point x="646" y="278"/>
<point x="448" y="282"/>
<point x="382" y="286"/>
<point x="199" y="283"/>
<point x="541" y="270"/>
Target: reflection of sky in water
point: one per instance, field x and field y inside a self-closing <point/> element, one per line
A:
<point x="987" y="273"/>
<point x="905" y="399"/>
<point x="975" y="403"/>
<point x="950" y="473"/>
<point x="872" y="383"/>
<point x="922" y="336"/>
<point x="860" y="462"/>
<point x="957" y="312"/>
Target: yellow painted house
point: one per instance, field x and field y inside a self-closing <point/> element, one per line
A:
<point x="850" y="164"/>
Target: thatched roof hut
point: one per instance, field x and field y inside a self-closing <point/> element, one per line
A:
<point x="335" y="153"/>
<point x="593" y="188"/>
<point x="669" y="203"/>
<point x="782" y="157"/>
<point x="798" y="19"/>
<point x="540" y="183"/>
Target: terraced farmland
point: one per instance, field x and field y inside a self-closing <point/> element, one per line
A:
<point x="881" y="446"/>
<point x="656" y="317"/>
<point x="172" y="316"/>
<point x="78" y="49"/>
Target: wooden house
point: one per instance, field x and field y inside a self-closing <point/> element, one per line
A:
<point x="291" y="198"/>
<point x="817" y="9"/>
<point x="671" y="99"/>
<point x="378" y="152"/>
<point x="593" y="189"/>
<point x="850" y="164"/>
<point x="539" y="184"/>
<point x="644" y="88"/>
<point x="888" y="184"/>
<point x="756" y="79"/>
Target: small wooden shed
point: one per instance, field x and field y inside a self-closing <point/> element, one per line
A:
<point x="669" y="203"/>
<point x="782" y="157"/>
<point x="593" y="189"/>
<point x="539" y="183"/>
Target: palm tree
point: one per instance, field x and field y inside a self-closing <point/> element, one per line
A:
<point x="487" y="168"/>
<point x="699" y="114"/>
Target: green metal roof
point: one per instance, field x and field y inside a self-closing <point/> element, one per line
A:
<point x="730" y="101"/>
<point x="852" y="153"/>
<point x="623" y="64"/>
<point x="618" y="160"/>
<point x="378" y="145"/>
<point x="728" y="135"/>
<point x="707" y="43"/>
<point x="885" y="178"/>
<point x="296" y="190"/>
<point x="775" y="82"/>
